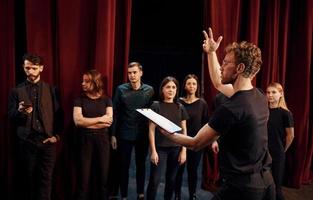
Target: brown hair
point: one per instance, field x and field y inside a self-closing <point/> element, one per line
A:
<point x="135" y="64"/>
<point x="248" y="54"/>
<point x="282" y="102"/>
<point x="96" y="80"/>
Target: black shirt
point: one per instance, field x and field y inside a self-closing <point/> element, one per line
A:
<point x="279" y="120"/>
<point x="242" y="123"/>
<point x="93" y="108"/>
<point x="176" y="113"/>
<point x="198" y="115"/>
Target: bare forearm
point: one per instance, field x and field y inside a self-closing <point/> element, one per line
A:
<point x="289" y="140"/>
<point x="214" y="69"/>
<point x="289" y="137"/>
<point x="215" y="75"/>
<point x="86" y="122"/>
<point x="205" y="136"/>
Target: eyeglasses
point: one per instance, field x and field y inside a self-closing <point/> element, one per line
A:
<point x="225" y="62"/>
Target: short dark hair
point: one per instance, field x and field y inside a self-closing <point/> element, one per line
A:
<point x="33" y="58"/>
<point x="164" y="82"/>
<point x="135" y="64"/>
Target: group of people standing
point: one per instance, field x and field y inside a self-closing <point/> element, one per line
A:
<point x="249" y="129"/>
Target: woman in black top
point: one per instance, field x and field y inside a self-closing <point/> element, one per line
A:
<point x="93" y="115"/>
<point x="197" y="109"/>
<point x="280" y="132"/>
<point x="165" y="154"/>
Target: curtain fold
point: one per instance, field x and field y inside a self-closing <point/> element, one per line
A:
<point x="72" y="36"/>
<point x="7" y="80"/>
<point x="283" y="31"/>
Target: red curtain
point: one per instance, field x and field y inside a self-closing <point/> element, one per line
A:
<point x="283" y="30"/>
<point x="72" y="36"/>
<point x="7" y="80"/>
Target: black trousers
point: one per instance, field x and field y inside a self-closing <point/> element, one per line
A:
<point x="124" y="150"/>
<point x="37" y="164"/>
<point x="193" y="160"/>
<point x="257" y="186"/>
<point x="278" y="167"/>
<point x="167" y="166"/>
<point x="94" y="154"/>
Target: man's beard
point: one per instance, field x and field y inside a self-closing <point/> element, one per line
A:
<point x="32" y="77"/>
<point x="231" y="80"/>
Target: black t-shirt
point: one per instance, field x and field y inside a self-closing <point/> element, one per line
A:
<point x="176" y="113"/>
<point x="278" y="121"/>
<point x="242" y="124"/>
<point x="93" y="108"/>
<point x="198" y="115"/>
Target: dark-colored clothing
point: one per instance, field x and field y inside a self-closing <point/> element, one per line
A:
<point x="176" y="113"/>
<point x="168" y="165"/>
<point x="242" y="124"/>
<point x="46" y="109"/>
<point x="279" y="120"/>
<point x="93" y="108"/>
<point x="131" y="131"/>
<point x="210" y="178"/>
<point x="128" y="123"/>
<point x="124" y="151"/>
<point x="94" y="148"/>
<point x="198" y="116"/>
<point x="46" y="120"/>
<point x="168" y="151"/>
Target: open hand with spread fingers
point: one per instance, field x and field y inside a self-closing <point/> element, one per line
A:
<point x="209" y="44"/>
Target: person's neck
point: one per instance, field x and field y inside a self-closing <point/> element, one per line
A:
<point x="34" y="81"/>
<point x="93" y="95"/>
<point x="168" y="100"/>
<point x="190" y="98"/>
<point x="136" y="85"/>
<point x="273" y="105"/>
<point x="242" y="83"/>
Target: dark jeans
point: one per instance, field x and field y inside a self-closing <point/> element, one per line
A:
<point x="278" y="167"/>
<point x="193" y="160"/>
<point x="168" y="160"/>
<point x="124" y="150"/>
<point x="38" y="160"/>
<point x="258" y="186"/>
<point x="94" y="151"/>
<point x="113" y="174"/>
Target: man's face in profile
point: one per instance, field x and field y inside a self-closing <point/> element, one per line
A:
<point x="228" y="69"/>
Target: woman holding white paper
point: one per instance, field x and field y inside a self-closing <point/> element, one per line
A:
<point x="166" y="156"/>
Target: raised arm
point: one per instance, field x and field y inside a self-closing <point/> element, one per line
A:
<point x="209" y="47"/>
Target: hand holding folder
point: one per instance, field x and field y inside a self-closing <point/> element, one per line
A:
<point x="159" y="120"/>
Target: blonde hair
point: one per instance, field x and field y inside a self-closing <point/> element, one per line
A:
<point x="282" y="102"/>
